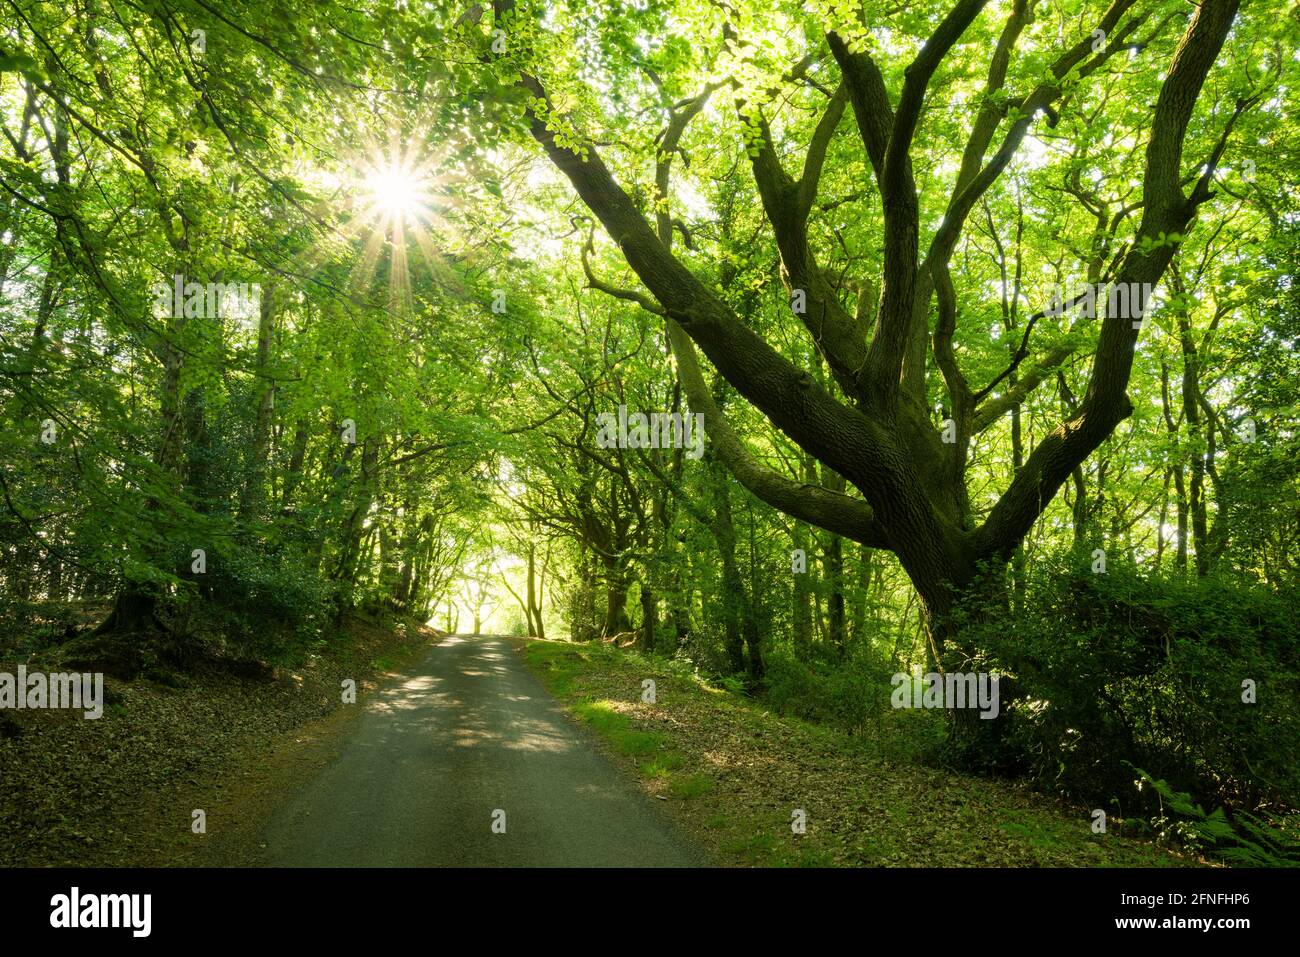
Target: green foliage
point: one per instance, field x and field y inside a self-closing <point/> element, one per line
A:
<point x="847" y="696"/>
<point x="130" y="156"/>
<point x="1245" y="839"/>
<point x="1127" y="666"/>
<point x="263" y="604"/>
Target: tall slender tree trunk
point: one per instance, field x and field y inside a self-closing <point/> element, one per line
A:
<point x="255" y="484"/>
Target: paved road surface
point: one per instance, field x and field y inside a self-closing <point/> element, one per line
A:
<point x="439" y="749"/>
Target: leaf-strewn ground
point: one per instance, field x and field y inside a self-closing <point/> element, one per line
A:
<point x="736" y="774"/>
<point x="120" y="790"/>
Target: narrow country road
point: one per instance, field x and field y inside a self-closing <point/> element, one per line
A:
<point x="464" y="734"/>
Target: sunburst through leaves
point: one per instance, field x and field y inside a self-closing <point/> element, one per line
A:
<point x="400" y="198"/>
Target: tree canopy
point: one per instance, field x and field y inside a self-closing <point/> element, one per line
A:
<point x="775" y="336"/>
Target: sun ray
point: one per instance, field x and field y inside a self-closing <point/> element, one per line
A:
<point x="398" y="196"/>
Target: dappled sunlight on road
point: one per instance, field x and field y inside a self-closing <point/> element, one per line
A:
<point x="429" y="705"/>
<point x="436" y="754"/>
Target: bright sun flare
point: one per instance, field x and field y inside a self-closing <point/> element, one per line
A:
<point x="396" y="191"/>
<point x="400" y="198"/>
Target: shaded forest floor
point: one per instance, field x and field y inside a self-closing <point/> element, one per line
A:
<point x="734" y="773"/>
<point x="120" y="790"/>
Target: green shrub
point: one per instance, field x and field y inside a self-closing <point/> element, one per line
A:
<point x="1127" y="667"/>
<point x="259" y="604"/>
<point x="845" y="696"/>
